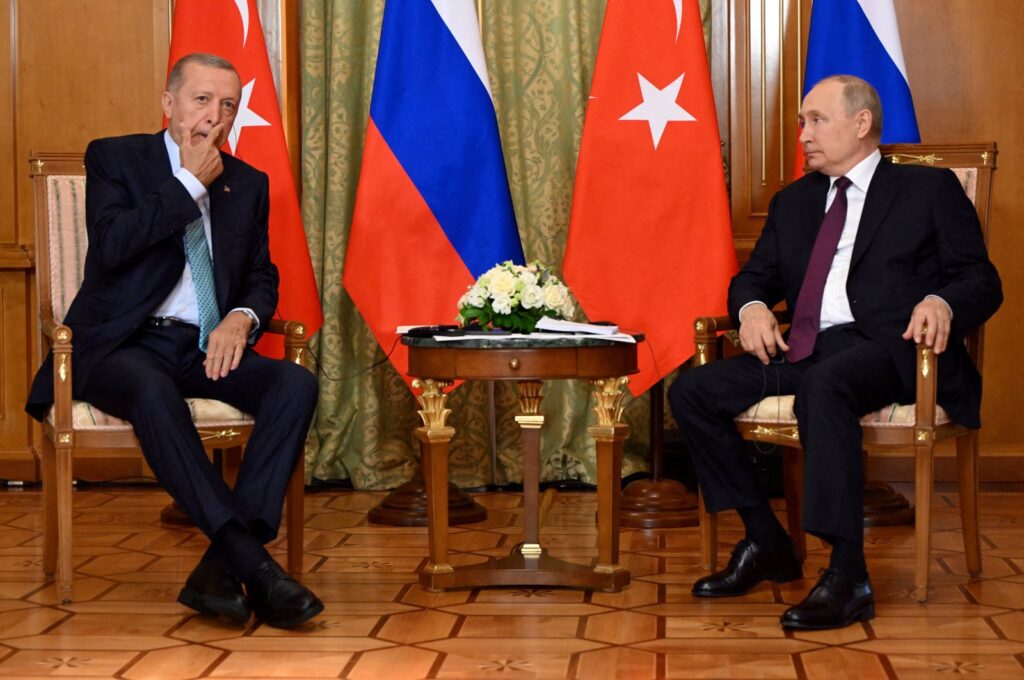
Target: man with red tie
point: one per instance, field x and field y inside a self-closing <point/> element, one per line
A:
<point x="872" y="258"/>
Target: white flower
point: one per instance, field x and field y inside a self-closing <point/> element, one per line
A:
<point x="501" y="303"/>
<point x="567" y="310"/>
<point x="533" y="296"/>
<point x="502" y="282"/>
<point x="474" y="297"/>
<point x="555" y="296"/>
<point x="527" y="278"/>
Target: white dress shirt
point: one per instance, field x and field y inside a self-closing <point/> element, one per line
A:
<point x="181" y="304"/>
<point x="835" y="304"/>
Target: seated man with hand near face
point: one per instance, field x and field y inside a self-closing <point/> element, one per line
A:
<point x="178" y="283"/>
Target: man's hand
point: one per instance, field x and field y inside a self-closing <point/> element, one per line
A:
<point x="201" y="155"/>
<point x="226" y="345"/>
<point x="930" y="321"/>
<point x="760" y="334"/>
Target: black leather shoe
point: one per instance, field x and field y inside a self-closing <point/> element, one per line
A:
<point x="278" y="600"/>
<point x="213" y="589"/>
<point x="836" y="601"/>
<point x="749" y="565"/>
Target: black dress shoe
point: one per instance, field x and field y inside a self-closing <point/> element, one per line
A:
<point x="213" y="589"/>
<point x="836" y="601"/>
<point x="749" y="565"/>
<point x="278" y="600"/>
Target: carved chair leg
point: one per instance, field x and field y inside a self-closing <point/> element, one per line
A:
<point x="50" y="512"/>
<point x="967" y="469"/>
<point x="923" y="482"/>
<point x="64" y="490"/>
<point x="793" y="484"/>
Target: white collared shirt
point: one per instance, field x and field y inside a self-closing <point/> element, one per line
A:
<point x="181" y="303"/>
<point x="835" y="304"/>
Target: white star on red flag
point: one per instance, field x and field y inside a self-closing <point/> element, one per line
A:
<point x="659" y="106"/>
<point x="246" y="117"/>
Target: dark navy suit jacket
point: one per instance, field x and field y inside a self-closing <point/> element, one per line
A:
<point x="918" y="235"/>
<point x="136" y="213"/>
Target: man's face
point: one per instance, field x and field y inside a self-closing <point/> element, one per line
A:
<point x="205" y="97"/>
<point x="833" y="140"/>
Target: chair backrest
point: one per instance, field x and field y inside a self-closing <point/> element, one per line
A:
<point x="61" y="240"/>
<point x="973" y="165"/>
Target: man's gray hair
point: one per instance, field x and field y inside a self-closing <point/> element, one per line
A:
<point x="858" y="94"/>
<point x="177" y="73"/>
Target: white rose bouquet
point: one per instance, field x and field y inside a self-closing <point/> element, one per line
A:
<point x="515" y="297"/>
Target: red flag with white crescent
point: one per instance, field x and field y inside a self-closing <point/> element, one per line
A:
<point x="231" y="29"/>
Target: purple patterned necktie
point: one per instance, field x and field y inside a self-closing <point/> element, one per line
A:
<point x="807" y="315"/>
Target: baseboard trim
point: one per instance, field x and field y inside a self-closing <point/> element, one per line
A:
<point x="999" y="467"/>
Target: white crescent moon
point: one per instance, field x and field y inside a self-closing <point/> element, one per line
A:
<point x="243" y="11"/>
<point x="678" y="4"/>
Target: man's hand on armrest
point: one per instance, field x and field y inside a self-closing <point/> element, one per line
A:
<point x="759" y="332"/>
<point x="930" y="321"/>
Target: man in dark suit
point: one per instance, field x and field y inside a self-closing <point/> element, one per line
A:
<point x="872" y="258"/>
<point x="178" y="283"/>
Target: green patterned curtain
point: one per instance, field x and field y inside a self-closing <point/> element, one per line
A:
<point x="540" y="58"/>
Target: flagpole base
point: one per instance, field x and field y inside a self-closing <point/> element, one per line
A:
<point x="657" y="504"/>
<point x="406" y="506"/>
<point x="174" y="514"/>
<point x="884" y="506"/>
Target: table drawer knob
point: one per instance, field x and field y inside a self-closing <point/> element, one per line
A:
<point x="514" y="364"/>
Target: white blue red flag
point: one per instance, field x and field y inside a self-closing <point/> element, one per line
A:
<point x="861" y="38"/>
<point x="433" y="209"/>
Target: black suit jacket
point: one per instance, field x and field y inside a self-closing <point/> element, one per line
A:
<point x="136" y="214"/>
<point x="918" y="235"/>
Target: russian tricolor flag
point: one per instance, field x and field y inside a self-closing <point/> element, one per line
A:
<point x="433" y="209"/>
<point x="861" y="38"/>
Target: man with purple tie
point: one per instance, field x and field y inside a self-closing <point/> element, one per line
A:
<point x="872" y="258"/>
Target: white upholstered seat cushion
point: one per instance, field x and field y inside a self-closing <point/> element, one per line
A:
<point x="205" y="413"/>
<point x="780" y="410"/>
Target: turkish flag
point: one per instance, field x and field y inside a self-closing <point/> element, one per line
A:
<point x="650" y="241"/>
<point x="231" y="29"/>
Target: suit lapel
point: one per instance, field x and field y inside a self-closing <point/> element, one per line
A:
<point x="157" y="164"/>
<point x="221" y="210"/>
<point x="885" y="185"/>
<point x="812" y="213"/>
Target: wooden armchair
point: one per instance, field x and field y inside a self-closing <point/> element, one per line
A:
<point x="76" y="428"/>
<point x="895" y="430"/>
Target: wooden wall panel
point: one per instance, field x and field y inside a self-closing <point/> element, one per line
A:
<point x="72" y="71"/>
<point x="765" y="83"/>
<point x="8" y="230"/>
<point x="98" y="71"/>
<point x="964" y="64"/>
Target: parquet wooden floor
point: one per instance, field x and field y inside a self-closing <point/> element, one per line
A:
<point x="379" y="624"/>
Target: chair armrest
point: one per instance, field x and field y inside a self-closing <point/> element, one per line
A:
<point x="60" y="336"/>
<point x="56" y="333"/>
<point x="295" y="345"/>
<point x="708" y="332"/>
<point x="706" y="339"/>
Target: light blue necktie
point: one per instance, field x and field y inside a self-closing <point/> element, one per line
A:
<point x="198" y="254"/>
